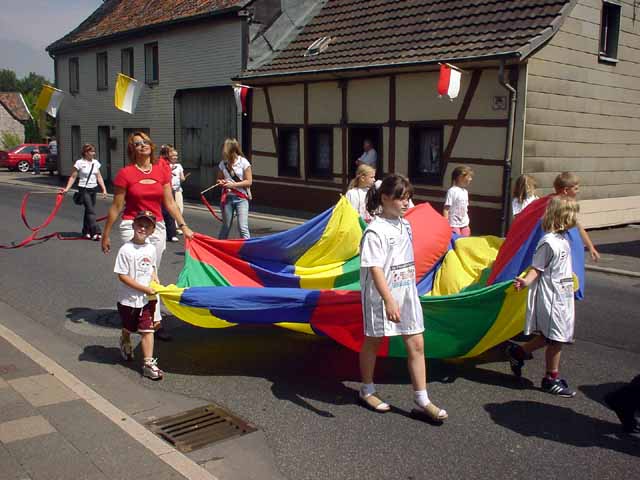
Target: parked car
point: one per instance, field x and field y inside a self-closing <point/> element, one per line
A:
<point x="19" y="158"/>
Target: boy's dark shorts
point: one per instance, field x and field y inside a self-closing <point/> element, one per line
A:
<point x="138" y="319"/>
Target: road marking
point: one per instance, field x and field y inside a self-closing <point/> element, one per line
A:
<point x="165" y="452"/>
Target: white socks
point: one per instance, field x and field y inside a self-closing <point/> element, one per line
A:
<point x="421" y="398"/>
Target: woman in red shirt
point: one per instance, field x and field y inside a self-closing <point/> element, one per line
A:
<point x="142" y="185"/>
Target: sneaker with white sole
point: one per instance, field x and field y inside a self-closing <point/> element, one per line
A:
<point x="126" y="349"/>
<point x="558" y="387"/>
<point x="150" y="369"/>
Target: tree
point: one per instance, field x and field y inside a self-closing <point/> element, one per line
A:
<point x="8" y="81"/>
<point x="29" y="86"/>
<point x="31" y="83"/>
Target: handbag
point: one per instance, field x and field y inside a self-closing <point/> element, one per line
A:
<point x="78" y="198"/>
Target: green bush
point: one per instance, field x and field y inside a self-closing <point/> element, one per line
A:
<point x="8" y="140"/>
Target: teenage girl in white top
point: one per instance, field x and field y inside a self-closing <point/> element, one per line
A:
<point x="358" y="188"/>
<point x="390" y="301"/>
<point x="234" y="175"/>
<point x="87" y="171"/>
<point x="524" y="192"/>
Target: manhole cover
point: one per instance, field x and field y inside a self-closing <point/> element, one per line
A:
<point x="199" y="427"/>
<point x="4" y="369"/>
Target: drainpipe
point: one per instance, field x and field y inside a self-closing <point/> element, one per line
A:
<point x="506" y="173"/>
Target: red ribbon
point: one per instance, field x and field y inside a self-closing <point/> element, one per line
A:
<point x="33" y="237"/>
<point x="223" y="200"/>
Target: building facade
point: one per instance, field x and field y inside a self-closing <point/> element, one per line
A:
<point x="570" y="68"/>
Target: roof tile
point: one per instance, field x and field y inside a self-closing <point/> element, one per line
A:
<point x="120" y="16"/>
<point x="390" y="32"/>
<point x="14" y="104"/>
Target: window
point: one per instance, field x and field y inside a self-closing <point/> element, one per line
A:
<point x="425" y="147"/>
<point x="126" y="59"/>
<point x="151" y="68"/>
<point x="102" y="70"/>
<point x="43" y="150"/>
<point x="320" y="152"/>
<point x="609" y="30"/>
<point x="75" y="142"/>
<point x="289" y="152"/>
<point x="74" y="75"/>
<point x="28" y="150"/>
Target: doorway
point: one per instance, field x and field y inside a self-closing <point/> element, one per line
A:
<point x="104" y="149"/>
<point x="357" y="135"/>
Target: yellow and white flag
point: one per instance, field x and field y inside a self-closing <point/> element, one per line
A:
<point x="49" y="100"/>
<point x="127" y="93"/>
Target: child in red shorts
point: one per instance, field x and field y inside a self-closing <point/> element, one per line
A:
<point x="136" y="269"/>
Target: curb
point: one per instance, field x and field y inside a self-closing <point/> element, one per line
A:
<point x="614" y="271"/>
<point x="256" y="216"/>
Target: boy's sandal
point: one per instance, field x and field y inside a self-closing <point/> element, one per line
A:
<point x="432" y="412"/>
<point x="373" y="403"/>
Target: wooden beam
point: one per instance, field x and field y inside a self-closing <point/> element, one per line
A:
<point x="466" y="103"/>
<point x="392" y="124"/>
<point x="344" y="120"/>
<point x="274" y="132"/>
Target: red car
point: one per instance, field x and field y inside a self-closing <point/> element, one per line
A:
<point x="19" y="158"/>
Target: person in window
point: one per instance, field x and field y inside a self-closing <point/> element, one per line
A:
<point x="369" y="155"/>
<point x="87" y="170"/>
<point x="235" y="178"/>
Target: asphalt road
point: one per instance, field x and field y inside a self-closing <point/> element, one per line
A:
<point x="300" y="390"/>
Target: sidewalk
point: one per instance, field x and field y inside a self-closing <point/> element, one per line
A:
<point x="49" y="422"/>
<point x="65" y="417"/>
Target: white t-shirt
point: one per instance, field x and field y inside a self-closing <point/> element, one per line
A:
<point x="138" y="262"/>
<point x="550" y="303"/>
<point x="458" y="202"/>
<point x="517" y="206"/>
<point x="239" y="166"/>
<point x="388" y="244"/>
<point x="176" y="172"/>
<point x="370" y="158"/>
<point x="84" y="167"/>
<point x="358" y="199"/>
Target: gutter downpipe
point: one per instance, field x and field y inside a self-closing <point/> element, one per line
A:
<point x="506" y="173"/>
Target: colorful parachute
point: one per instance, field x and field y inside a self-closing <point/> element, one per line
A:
<point x="307" y="279"/>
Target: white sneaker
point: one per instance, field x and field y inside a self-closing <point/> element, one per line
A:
<point x="150" y="369"/>
<point x="179" y="232"/>
<point x="126" y="349"/>
<point x="175" y="239"/>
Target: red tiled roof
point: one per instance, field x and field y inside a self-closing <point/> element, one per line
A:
<point x="14" y="104"/>
<point x="368" y="33"/>
<point x="120" y="16"/>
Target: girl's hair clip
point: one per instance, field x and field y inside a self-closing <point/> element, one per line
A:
<point x="377" y="184"/>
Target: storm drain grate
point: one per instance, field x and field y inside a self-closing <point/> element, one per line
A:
<point x="199" y="427"/>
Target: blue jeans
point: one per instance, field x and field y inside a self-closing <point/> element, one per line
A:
<point x="241" y="208"/>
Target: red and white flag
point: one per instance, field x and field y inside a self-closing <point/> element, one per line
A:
<point x="449" y="83"/>
<point x="240" y="92"/>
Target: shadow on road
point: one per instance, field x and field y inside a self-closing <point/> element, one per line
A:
<point x="627" y="249"/>
<point x="560" y="424"/>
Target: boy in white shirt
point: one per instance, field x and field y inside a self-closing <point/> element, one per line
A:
<point x="136" y="269"/>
